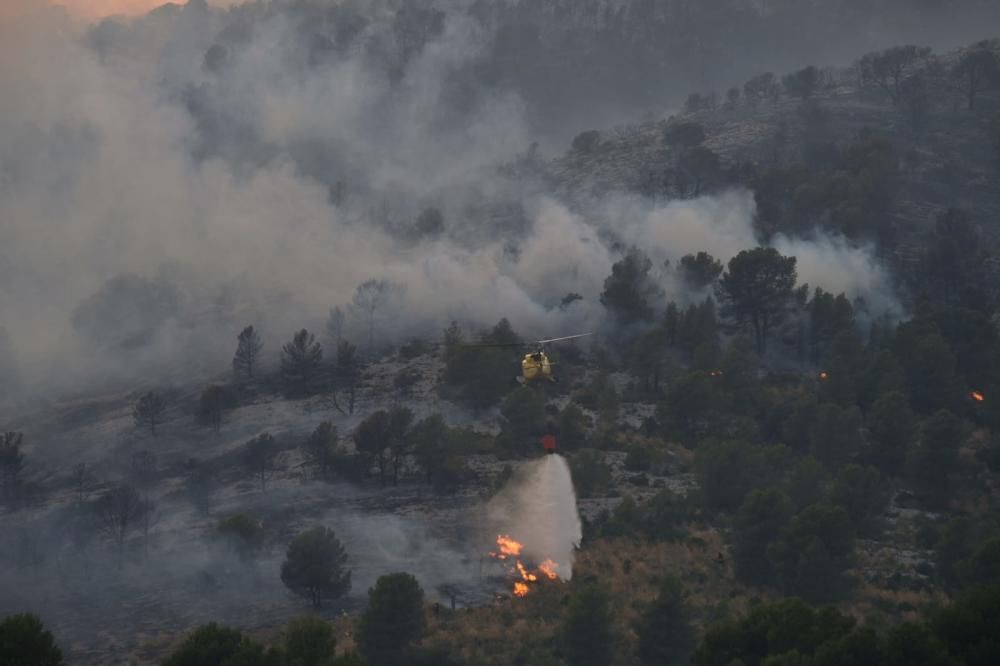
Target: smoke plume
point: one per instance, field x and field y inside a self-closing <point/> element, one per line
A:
<point x="169" y="179"/>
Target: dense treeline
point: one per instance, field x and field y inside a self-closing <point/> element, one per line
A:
<point x="809" y="420"/>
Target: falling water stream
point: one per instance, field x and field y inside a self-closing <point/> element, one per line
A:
<point x="538" y="509"/>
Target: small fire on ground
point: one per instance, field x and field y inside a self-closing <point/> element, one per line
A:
<point x="509" y="552"/>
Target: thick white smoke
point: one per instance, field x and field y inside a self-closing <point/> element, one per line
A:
<point x="538" y="509"/>
<point x="121" y="154"/>
<point x="723" y="226"/>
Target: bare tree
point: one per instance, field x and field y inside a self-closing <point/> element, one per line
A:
<point x="889" y="68"/>
<point x="8" y="366"/>
<point x="802" y="83"/>
<point x="149" y="411"/>
<point x="11" y="465"/>
<point x="119" y="512"/>
<point x="368" y="297"/>
<point x="977" y="68"/>
<point x="335" y="325"/>
<point x="347" y="374"/>
<point x="213" y="402"/>
<point x="148" y="518"/>
<point x="371" y="438"/>
<point x="400" y="422"/>
<point x="258" y="457"/>
<point x="143" y="468"/>
<point x="763" y="86"/>
<point x="80" y="481"/>
<point x="201" y="483"/>
<point x="914" y="102"/>
<point x="248" y="348"/>
<point x="300" y="360"/>
<point x="320" y="448"/>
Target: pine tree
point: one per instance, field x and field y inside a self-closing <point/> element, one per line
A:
<point x="314" y="566"/>
<point x="300" y="360"/>
<point x="248" y="348"/>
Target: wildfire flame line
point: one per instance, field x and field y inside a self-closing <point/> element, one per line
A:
<point x="509" y="548"/>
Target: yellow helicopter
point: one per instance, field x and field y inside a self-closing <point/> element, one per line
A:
<point x="535" y="366"/>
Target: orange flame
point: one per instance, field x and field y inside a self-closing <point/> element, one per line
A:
<point x="525" y="574"/>
<point x="977" y="396"/>
<point x="509" y="548"/>
<point x="824" y="376"/>
<point x="549" y="568"/>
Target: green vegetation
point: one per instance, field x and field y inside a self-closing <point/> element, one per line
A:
<point x="820" y="449"/>
<point x="243" y="534"/>
<point x="300" y="362"/>
<point x="246" y="360"/>
<point x="24" y="641"/>
<point x="314" y="566"/>
<point x="586" y="637"/>
<point x="393" y="621"/>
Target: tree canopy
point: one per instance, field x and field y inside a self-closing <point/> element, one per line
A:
<point x="756" y="289"/>
<point x="315" y="566"/>
<point x="393" y="621"/>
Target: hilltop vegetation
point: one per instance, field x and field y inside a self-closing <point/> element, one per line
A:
<point x="769" y="473"/>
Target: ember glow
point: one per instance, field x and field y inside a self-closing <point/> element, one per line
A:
<point x="550" y="569"/>
<point x="977" y="396"/>
<point x="824" y="376"/>
<point x="510" y="549"/>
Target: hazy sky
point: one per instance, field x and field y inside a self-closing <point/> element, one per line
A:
<point x="91" y="9"/>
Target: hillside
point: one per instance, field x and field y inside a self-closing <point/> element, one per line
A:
<point x="781" y="382"/>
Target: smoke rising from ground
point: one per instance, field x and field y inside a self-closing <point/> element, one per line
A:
<point x="538" y="509"/>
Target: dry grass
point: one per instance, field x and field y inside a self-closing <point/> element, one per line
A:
<point x="628" y="569"/>
<point x="511" y="629"/>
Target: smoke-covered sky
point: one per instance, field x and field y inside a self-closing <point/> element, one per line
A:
<point x="168" y="179"/>
<point x="93" y="9"/>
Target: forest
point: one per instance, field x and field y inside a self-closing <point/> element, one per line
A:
<point x="783" y="431"/>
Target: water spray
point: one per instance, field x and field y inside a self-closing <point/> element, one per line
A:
<point x="536" y="519"/>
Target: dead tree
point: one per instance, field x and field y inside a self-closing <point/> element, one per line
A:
<point x="80" y="481"/>
<point x="368" y="298"/>
<point x="143" y="468"/>
<point x="888" y="69"/>
<point x="148" y="517"/>
<point x="347" y="375"/>
<point x="258" y="457"/>
<point x="320" y="448"/>
<point x="335" y="325"/>
<point x="11" y="465"/>
<point x="149" y="411"/>
<point x="213" y="402"/>
<point x="119" y="512"/>
<point x="976" y="70"/>
<point x="248" y="348"/>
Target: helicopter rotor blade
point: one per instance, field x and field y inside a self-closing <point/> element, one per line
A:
<point x="489" y="344"/>
<point x="568" y="337"/>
